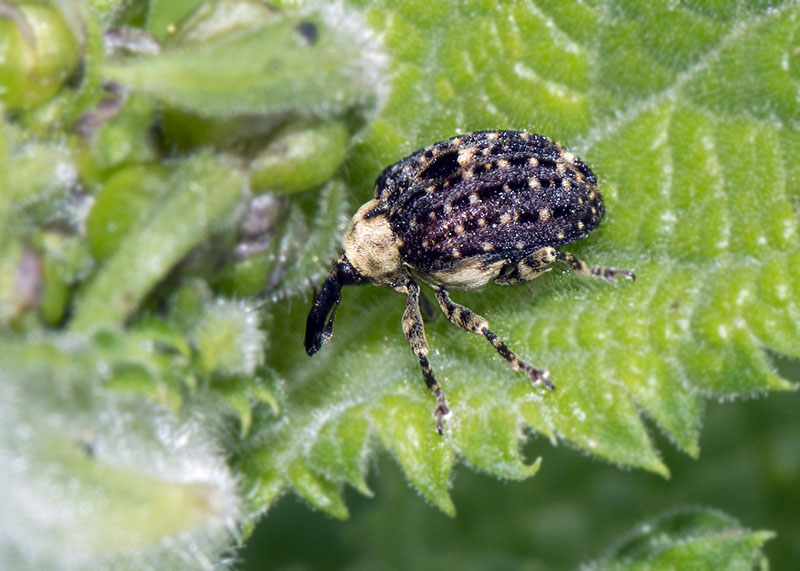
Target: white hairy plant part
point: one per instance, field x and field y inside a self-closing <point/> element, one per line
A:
<point x="96" y="479"/>
<point x="229" y="337"/>
<point x="373" y="62"/>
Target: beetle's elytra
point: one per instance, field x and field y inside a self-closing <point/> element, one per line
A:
<point x="486" y="206"/>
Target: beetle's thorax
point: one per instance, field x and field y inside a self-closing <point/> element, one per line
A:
<point x="371" y="247"/>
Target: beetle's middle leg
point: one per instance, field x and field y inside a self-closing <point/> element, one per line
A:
<point x="414" y="330"/>
<point x="468" y="320"/>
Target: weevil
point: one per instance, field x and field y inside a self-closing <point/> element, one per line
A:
<point x="485" y="206"/>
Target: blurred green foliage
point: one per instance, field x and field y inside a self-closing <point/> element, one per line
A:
<point x="175" y="177"/>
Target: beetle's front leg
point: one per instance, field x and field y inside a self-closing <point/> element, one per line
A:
<point x="536" y="264"/>
<point x="586" y="271"/>
<point x="468" y="320"/>
<point x="414" y="330"/>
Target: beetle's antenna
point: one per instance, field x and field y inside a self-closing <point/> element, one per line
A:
<point x="319" y="325"/>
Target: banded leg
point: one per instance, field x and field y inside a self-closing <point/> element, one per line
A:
<point x="583" y="269"/>
<point x="468" y="320"/>
<point x="536" y="264"/>
<point x="414" y="330"/>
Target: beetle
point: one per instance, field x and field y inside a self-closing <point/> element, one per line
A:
<point x="480" y="207"/>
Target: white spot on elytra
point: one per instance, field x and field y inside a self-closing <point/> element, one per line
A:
<point x="465" y="155"/>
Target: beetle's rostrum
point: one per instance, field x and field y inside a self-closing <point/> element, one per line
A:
<point x="485" y="206"/>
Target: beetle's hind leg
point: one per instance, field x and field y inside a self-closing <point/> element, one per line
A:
<point x="468" y="320"/>
<point x="584" y="270"/>
<point x="542" y="260"/>
<point x="536" y="264"/>
<point x="414" y="330"/>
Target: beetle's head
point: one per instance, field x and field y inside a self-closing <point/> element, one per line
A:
<point x="319" y="325"/>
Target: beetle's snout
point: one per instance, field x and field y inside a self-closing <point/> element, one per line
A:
<point x="319" y="325"/>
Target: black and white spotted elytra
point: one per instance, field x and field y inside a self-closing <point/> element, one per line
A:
<point x="485" y="206"/>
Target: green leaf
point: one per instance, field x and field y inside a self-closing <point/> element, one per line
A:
<point x="319" y="492"/>
<point x="5" y="200"/>
<point x="340" y="449"/>
<point x="40" y="51"/>
<point x="41" y="170"/>
<point x="270" y="69"/>
<point x="694" y="539"/>
<point x="300" y="158"/>
<point x="426" y="459"/>
<point x="163" y="15"/>
<point x="205" y="193"/>
<point x="124" y="202"/>
<point x="228" y="338"/>
<point x="574" y="511"/>
<point x="309" y="240"/>
<point x="693" y="141"/>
